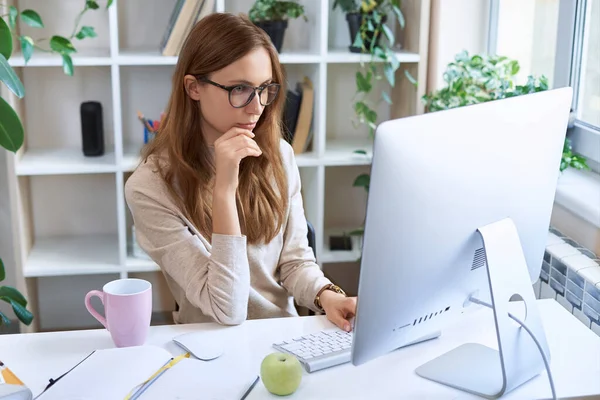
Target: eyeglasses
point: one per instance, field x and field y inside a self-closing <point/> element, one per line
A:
<point x="241" y="95"/>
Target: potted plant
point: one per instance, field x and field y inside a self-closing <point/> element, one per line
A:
<point x="366" y="21"/>
<point x="481" y="78"/>
<point x="272" y="16"/>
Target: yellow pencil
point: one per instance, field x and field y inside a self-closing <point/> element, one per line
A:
<point x="8" y="376"/>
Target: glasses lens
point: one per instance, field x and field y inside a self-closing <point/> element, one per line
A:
<point x="240" y="95"/>
<point x="269" y="94"/>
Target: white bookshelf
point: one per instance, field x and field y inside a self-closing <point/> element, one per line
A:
<point x="69" y="213"/>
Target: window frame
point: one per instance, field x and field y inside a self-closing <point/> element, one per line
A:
<point x="585" y="137"/>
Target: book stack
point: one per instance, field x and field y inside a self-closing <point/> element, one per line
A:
<point x="298" y="116"/>
<point x="184" y="16"/>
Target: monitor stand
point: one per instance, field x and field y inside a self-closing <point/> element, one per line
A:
<point x="484" y="371"/>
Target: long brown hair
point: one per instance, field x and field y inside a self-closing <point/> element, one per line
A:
<point x="262" y="195"/>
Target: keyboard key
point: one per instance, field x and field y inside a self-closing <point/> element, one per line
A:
<point x="292" y="347"/>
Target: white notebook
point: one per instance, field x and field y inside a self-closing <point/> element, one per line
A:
<point x="192" y="379"/>
<point x="114" y="373"/>
<point x="108" y="374"/>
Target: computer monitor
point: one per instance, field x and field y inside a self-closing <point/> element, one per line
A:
<point x="460" y="203"/>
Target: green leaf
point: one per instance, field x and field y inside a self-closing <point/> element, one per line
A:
<point x="2" y="271"/>
<point x="371" y="116"/>
<point x="388" y="32"/>
<point x="12" y="293"/>
<point x="4" y="319"/>
<point x="386" y="97"/>
<point x="6" y="46"/>
<point x="21" y="312"/>
<point x="400" y="16"/>
<point x="376" y="17"/>
<point x="514" y="67"/>
<point x="32" y="18"/>
<point x="363" y="152"/>
<point x="388" y="70"/>
<point x="109" y="3"/>
<point x="67" y="64"/>
<point x="61" y="45"/>
<point x="411" y="78"/>
<point x="358" y="42"/>
<point x="86" y="31"/>
<point x="26" y="47"/>
<point x="393" y="59"/>
<point x="357" y="232"/>
<point x="12" y="16"/>
<point x="11" y="129"/>
<point x="380" y="53"/>
<point x="91" y="4"/>
<point x="362" y="181"/>
<point x="10" y="78"/>
<point x="361" y="108"/>
<point x="362" y="83"/>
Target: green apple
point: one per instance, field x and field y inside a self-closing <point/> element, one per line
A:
<point x="281" y="373"/>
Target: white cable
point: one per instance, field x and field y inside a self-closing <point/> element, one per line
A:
<point x="539" y="346"/>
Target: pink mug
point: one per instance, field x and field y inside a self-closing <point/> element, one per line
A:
<point x="127" y="309"/>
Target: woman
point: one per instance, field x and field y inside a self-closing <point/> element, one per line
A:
<point x="216" y="201"/>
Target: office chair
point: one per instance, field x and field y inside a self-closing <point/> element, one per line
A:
<point x="311" y="243"/>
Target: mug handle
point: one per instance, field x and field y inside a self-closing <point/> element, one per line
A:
<point x="91" y="310"/>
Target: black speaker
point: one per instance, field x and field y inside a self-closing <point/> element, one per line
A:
<point x="92" y="129"/>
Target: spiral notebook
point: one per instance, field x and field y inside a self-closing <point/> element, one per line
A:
<point x="133" y="373"/>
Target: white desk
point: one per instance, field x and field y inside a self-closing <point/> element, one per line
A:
<point x="575" y="357"/>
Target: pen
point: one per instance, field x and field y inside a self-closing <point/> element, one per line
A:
<point x="250" y="388"/>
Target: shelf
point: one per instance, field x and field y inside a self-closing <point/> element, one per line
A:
<point x="144" y="57"/>
<point x="87" y="57"/>
<point x="153" y="57"/>
<point x="79" y="255"/>
<point x="308" y="159"/>
<point x="130" y="160"/>
<point x="340" y="256"/>
<point x="342" y="152"/>
<point x="299" y="58"/>
<point x="72" y="161"/>
<point x="343" y="55"/>
<point x="64" y="161"/>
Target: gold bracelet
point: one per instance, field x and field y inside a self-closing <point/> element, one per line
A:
<point x="332" y="287"/>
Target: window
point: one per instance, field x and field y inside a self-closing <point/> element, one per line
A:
<point x="527" y="32"/>
<point x="588" y="109"/>
<point x="561" y="40"/>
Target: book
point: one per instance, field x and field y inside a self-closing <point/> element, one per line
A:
<point x="291" y="109"/>
<point x="302" y="133"/>
<point x="183" y="15"/>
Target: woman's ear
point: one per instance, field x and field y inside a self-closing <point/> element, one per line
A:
<point x="192" y="87"/>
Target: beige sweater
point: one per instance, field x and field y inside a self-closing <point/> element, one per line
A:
<point x="229" y="281"/>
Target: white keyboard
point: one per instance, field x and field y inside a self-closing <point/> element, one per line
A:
<point x="327" y="348"/>
<point x="319" y="350"/>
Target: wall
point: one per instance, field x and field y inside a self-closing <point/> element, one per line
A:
<point x="455" y="26"/>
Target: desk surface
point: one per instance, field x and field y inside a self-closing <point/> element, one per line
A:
<point x="575" y="356"/>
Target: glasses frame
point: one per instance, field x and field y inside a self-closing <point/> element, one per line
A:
<point x="230" y="88"/>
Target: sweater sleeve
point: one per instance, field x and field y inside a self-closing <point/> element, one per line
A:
<point x="214" y="277"/>
<point x="300" y="274"/>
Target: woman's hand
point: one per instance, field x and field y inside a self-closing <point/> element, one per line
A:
<point x="339" y="308"/>
<point x="230" y="149"/>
